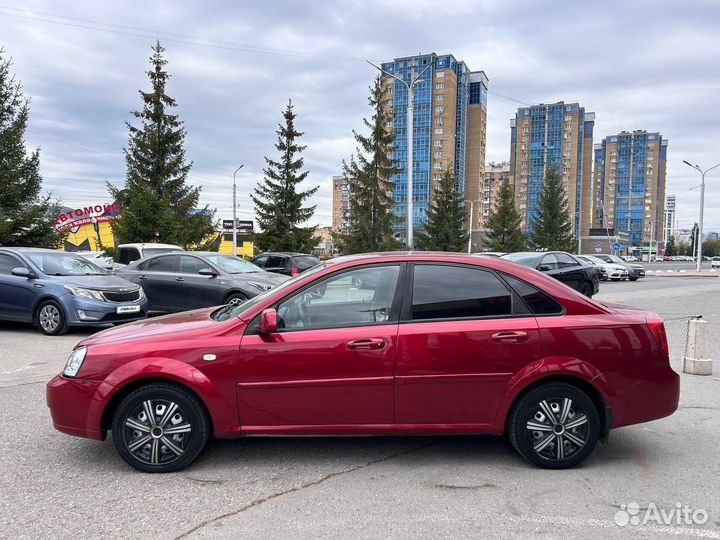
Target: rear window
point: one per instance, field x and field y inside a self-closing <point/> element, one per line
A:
<point x="305" y="262"/>
<point x="537" y="301"/>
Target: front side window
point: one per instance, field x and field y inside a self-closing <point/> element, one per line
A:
<point x="454" y="292"/>
<point x="7" y="263"/>
<point x="260" y="262"/>
<point x="191" y="265"/>
<point x="566" y="261"/>
<point x="355" y="298"/>
<point x="551" y="261"/>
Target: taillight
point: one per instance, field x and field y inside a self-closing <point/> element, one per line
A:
<point x="657" y="328"/>
<point x="294" y="271"/>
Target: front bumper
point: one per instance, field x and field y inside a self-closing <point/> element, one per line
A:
<point x="617" y="274"/>
<point x="76" y="405"/>
<point x="636" y="272"/>
<point x="84" y="312"/>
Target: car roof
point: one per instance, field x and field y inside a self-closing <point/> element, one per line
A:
<point x="150" y="245"/>
<point x="288" y="253"/>
<point x="31" y="250"/>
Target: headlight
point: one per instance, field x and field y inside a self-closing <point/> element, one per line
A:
<point x="141" y="293"/>
<point x="261" y="286"/>
<point x="72" y="366"/>
<point x="85" y="293"/>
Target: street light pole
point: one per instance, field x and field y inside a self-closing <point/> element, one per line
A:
<point x="472" y="204"/>
<point x="235" y="212"/>
<point x="652" y="226"/>
<point x="698" y="266"/>
<point x="409" y="119"/>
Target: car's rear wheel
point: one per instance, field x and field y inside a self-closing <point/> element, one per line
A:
<point x="160" y="428"/>
<point x="587" y="289"/>
<point x="554" y="426"/>
<point x="235" y="298"/>
<point x="633" y="278"/>
<point x="50" y="318"/>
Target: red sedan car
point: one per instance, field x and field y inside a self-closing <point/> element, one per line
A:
<point x="388" y="344"/>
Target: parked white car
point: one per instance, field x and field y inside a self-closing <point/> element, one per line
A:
<point x="127" y="253"/>
<point x="715" y="262"/>
<point x="614" y="272"/>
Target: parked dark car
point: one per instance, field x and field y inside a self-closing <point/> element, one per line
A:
<point x="588" y="261"/>
<point x="635" y="271"/>
<point x="290" y="264"/>
<point x="56" y="290"/>
<point x="190" y="280"/>
<point x="563" y="267"/>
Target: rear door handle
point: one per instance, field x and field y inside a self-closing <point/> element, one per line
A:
<point x="366" y="344"/>
<point x="510" y="337"/>
<point x="179" y="279"/>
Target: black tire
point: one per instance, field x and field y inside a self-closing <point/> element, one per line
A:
<point x="633" y="278"/>
<point x="235" y="298"/>
<point x="50" y="318"/>
<point x="616" y="279"/>
<point x="153" y="451"/>
<point x="531" y="408"/>
<point x="587" y="289"/>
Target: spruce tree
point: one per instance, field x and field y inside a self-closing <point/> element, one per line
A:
<point x="504" y="232"/>
<point x="26" y="216"/>
<point x="369" y="173"/>
<point x="445" y="229"/>
<point x="278" y="203"/>
<point x="552" y="228"/>
<point x="156" y="202"/>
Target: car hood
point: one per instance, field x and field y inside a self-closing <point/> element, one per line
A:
<point x="103" y="283"/>
<point x="269" y="278"/>
<point x="633" y="265"/>
<point x="179" y="323"/>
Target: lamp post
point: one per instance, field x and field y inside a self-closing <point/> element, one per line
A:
<point x="472" y="205"/>
<point x="409" y="116"/>
<point x="652" y="226"/>
<point x="702" y="208"/>
<point x="234" y="251"/>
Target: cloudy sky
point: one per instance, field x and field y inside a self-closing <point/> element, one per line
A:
<point x="637" y="64"/>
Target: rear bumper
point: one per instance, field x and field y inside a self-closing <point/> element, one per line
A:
<point x="648" y="395"/>
<point x="76" y="405"/>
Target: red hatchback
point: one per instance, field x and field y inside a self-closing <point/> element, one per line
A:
<point x="389" y="344"/>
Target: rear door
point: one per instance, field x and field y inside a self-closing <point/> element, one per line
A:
<point x="157" y="277"/>
<point x="462" y="336"/>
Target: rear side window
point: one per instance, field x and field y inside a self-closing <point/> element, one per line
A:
<point x="161" y="264"/>
<point x="276" y="261"/>
<point x="538" y="302"/>
<point x="452" y="292"/>
<point x="303" y="263"/>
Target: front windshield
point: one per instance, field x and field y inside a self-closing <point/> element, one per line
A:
<point x="234" y="310"/>
<point x="64" y="264"/>
<point x="232" y="265"/>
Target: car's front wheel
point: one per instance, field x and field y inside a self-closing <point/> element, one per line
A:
<point x="554" y="426"/>
<point x="236" y="298"/>
<point x="50" y="318"/>
<point x="160" y="427"/>
<point x="587" y="289"/>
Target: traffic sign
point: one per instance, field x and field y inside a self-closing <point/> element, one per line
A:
<point x="616" y="246"/>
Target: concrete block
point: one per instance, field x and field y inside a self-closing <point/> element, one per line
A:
<point x="696" y="360"/>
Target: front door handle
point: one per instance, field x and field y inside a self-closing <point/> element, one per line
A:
<point x="510" y="337"/>
<point x="143" y="278"/>
<point x="372" y="344"/>
<point x="179" y="279"/>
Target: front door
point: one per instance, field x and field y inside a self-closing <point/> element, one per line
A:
<point x="462" y="337"/>
<point x="197" y="291"/>
<point x="331" y="361"/>
<point x="16" y="293"/>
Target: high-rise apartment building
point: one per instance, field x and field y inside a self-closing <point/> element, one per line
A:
<point x="670" y="219"/>
<point x="450" y="116"/>
<point x="558" y="134"/>
<point x="495" y="175"/>
<point x="629" y="185"/>
<point x="341" y="204"/>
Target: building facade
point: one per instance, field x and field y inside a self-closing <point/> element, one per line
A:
<point x="559" y="134"/>
<point x="629" y="185"/>
<point x="495" y="175"/>
<point x="449" y="130"/>
<point x="670" y="219"/>
<point x="341" y="204"/>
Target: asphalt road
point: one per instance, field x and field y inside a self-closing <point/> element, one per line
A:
<point x="56" y="486"/>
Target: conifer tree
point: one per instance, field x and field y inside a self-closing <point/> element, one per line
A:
<point x="445" y="229"/>
<point x="156" y="202"/>
<point x="278" y="203"/>
<point x="552" y="229"/>
<point x="26" y="216"/>
<point x="369" y="172"/>
<point x="504" y="232"/>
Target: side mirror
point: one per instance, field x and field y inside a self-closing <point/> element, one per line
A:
<point x="207" y="272"/>
<point x="21" y="271"/>
<point x="268" y="322"/>
<point x="544" y="267"/>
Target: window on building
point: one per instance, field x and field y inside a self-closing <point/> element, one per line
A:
<point x="439" y="86"/>
<point x="440" y="74"/>
<point x="439" y="97"/>
<point x="438" y="131"/>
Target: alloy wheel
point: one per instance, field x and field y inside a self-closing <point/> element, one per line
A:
<point x="157" y="432"/>
<point x="558" y="428"/>
<point x="49" y="318"/>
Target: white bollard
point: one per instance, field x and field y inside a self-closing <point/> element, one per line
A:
<point x="696" y="361"/>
